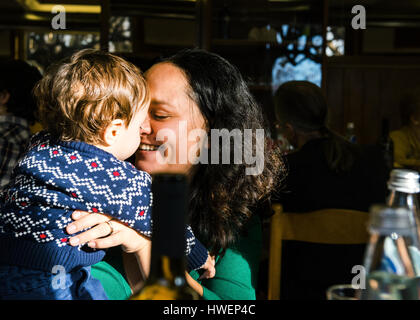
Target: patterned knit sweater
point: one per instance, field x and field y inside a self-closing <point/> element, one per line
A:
<point x="53" y="179"/>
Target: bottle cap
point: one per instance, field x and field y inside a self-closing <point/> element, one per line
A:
<point x="404" y="180"/>
<point x="387" y="220"/>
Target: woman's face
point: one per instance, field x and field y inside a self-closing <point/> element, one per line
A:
<point x="172" y="115"/>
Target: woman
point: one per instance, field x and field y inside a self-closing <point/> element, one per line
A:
<point x="193" y="93"/>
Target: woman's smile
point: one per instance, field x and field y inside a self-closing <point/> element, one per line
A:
<point x="148" y="147"/>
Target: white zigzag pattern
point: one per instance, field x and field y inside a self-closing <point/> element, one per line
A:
<point x="25" y="183"/>
<point x="124" y="198"/>
<point x="23" y="222"/>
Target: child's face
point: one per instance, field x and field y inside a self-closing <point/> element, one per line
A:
<point x="129" y="140"/>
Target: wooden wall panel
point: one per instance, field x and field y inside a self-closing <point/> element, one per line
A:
<point x="335" y="93"/>
<point x="372" y="110"/>
<point x="364" y="92"/>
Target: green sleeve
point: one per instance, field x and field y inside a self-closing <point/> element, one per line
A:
<point x="114" y="284"/>
<point x="237" y="271"/>
<point x="110" y="272"/>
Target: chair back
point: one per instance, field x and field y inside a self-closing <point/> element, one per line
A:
<point x="327" y="226"/>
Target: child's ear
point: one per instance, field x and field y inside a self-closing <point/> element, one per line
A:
<point x="111" y="134"/>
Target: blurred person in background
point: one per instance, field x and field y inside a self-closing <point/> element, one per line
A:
<point x="17" y="112"/>
<point x="324" y="172"/>
<point x="407" y="138"/>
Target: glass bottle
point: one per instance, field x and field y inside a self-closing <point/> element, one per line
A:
<point x="167" y="268"/>
<point x="403" y="186"/>
<point x="392" y="256"/>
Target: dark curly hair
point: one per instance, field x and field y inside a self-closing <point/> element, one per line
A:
<point x="224" y="196"/>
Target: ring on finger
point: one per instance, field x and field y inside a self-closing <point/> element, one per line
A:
<point x="110" y="225"/>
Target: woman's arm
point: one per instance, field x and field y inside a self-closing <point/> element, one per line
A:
<point x="133" y="271"/>
<point x="136" y="246"/>
<point x="194" y="284"/>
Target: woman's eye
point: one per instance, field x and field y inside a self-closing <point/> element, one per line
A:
<point x="160" y="117"/>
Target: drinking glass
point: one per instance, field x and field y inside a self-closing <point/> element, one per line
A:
<point x="343" y="292"/>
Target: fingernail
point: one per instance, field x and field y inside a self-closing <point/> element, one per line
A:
<point x="76" y="214"/>
<point x="74" y="241"/>
<point x="92" y="244"/>
<point x="71" y="228"/>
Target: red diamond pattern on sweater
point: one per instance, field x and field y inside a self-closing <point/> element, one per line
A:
<point x="116" y="173"/>
<point x="141" y="213"/>
<point x="55" y="152"/>
<point x="94" y="207"/>
<point x="43" y="146"/>
<point x="73" y="157"/>
<point x="94" y="165"/>
<point x="61" y="242"/>
<point x="43" y="236"/>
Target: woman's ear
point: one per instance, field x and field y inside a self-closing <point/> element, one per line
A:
<point x="112" y="133"/>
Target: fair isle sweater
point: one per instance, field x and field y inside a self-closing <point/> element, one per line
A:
<point x="53" y="179"/>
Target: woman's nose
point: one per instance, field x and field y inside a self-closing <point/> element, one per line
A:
<point x="145" y="127"/>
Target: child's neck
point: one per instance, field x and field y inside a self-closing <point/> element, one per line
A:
<point x="108" y="149"/>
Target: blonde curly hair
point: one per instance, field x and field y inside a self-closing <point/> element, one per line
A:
<point x="80" y="96"/>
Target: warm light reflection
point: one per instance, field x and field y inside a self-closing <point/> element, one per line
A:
<point x="34" y="5"/>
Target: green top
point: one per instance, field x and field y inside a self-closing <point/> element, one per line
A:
<point x="115" y="286"/>
<point x="236" y="272"/>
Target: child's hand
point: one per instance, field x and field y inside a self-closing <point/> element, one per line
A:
<point x="209" y="269"/>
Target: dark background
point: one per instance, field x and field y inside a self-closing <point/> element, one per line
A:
<point x="363" y="83"/>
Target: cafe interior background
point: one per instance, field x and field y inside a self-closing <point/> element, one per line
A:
<point x="363" y="72"/>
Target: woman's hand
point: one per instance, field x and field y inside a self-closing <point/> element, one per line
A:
<point x="105" y="233"/>
<point x="209" y="268"/>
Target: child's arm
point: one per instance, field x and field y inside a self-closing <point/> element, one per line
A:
<point x="197" y="255"/>
<point x="134" y="206"/>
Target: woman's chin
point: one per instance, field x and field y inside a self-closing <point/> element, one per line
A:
<point x="146" y="160"/>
